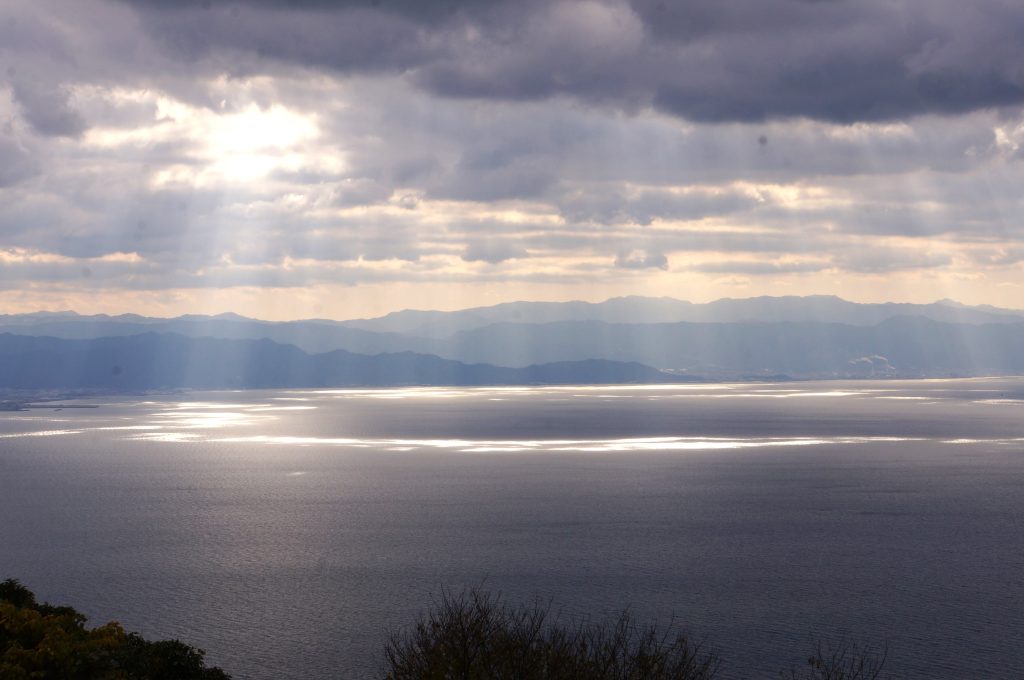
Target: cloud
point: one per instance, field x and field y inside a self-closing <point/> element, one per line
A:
<point x="493" y="252"/>
<point x="641" y="259"/>
<point x="1000" y="256"/>
<point x="388" y="174"/>
<point x="703" y="60"/>
<point x="345" y="37"/>
<point x="882" y="260"/>
<point x="836" y="61"/>
<point x="16" y="162"/>
<point x="761" y="267"/>
<point x="48" y="109"/>
<point x="611" y="203"/>
<point x="347" y="192"/>
<point x="301" y="142"/>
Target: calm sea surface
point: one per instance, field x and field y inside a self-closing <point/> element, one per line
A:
<point x="287" y="532"/>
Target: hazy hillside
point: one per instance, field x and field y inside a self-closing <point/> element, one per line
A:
<point x="313" y="336"/>
<point x="446" y="332"/>
<point x="906" y="346"/>
<point x="161" y="361"/>
<point x="817" y="337"/>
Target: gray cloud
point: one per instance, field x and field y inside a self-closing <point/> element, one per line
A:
<point x="437" y="10"/>
<point x="611" y="204"/>
<point x="354" y="192"/>
<point x="81" y="274"/>
<point x="16" y="162"/>
<point x="48" y="109"/>
<point x="546" y="136"/>
<point x="705" y="60"/>
<point x="352" y="37"/>
<point x="760" y="267"/>
<point x="856" y="259"/>
<point x="889" y="260"/>
<point x="1000" y="256"/>
<point x="838" y="61"/>
<point x="641" y="259"/>
<point x="493" y="252"/>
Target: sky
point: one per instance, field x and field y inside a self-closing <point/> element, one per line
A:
<point x="311" y="158"/>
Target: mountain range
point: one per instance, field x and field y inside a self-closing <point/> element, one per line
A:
<point x="629" y="339"/>
<point x="169" y="361"/>
<point x="644" y="310"/>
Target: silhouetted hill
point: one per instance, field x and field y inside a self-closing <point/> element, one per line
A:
<point x="312" y="336"/>
<point x="165" y="361"/>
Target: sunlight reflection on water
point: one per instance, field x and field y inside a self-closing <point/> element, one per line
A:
<point x="887" y="507"/>
<point x="566" y="445"/>
<point x="38" y="433"/>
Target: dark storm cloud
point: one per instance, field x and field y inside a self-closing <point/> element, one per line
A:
<point x="356" y="39"/>
<point x="47" y="109"/>
<point x="424" y="10"/>
<point x="842" y="60"/>
<point x="704" y="60"/>
<point x="839" y="61"/>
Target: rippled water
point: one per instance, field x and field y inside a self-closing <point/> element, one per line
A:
<point x="286" y="532"/>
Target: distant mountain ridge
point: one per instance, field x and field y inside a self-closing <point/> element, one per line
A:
<point x="635" y="309"/>
<point x="322" y="334"/>
<point x="312" y="336"/>
<point x="808" y="337"/>
<point x="900" y="346"/>
<point x="167" y="361"/>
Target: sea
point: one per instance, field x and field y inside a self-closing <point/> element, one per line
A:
<point x="290" y="532"/>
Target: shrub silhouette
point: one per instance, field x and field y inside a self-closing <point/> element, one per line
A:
<point x="44" y="641"/>
<point x="475" y="635"/>
<point x="842" y="661"/>
<point x="470" y="635"/>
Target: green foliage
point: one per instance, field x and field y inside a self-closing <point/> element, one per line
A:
<point x="474" y="635"/>
<point x="43" y="641"/>
<point x="17" y="595"/>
